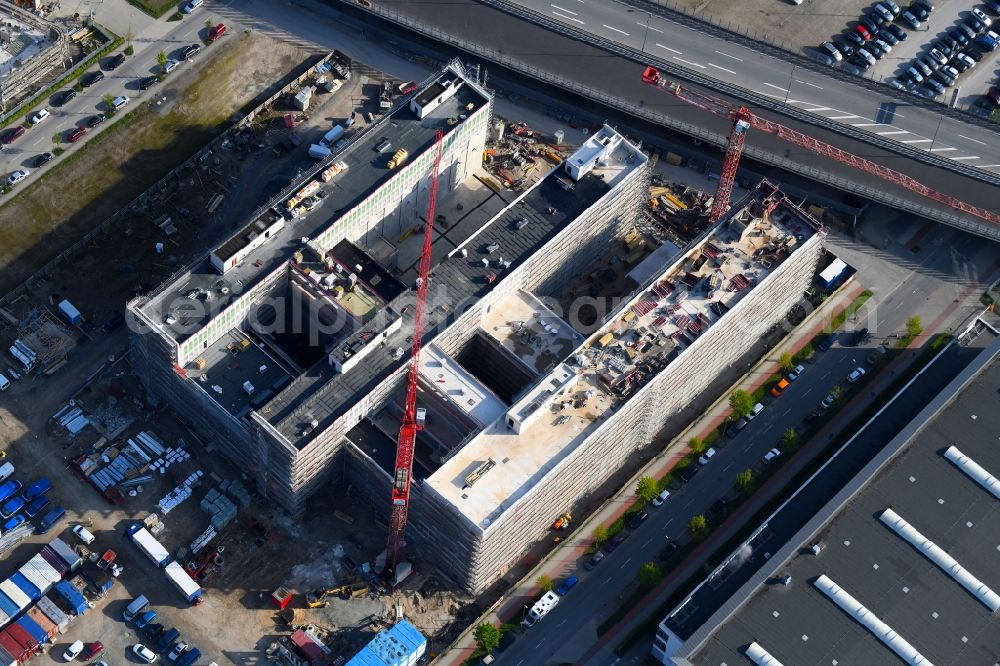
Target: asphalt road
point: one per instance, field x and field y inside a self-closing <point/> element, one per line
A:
<point x="811" y="91"/>
<point x="22" y="153"/>
<point x="581" y="66"/>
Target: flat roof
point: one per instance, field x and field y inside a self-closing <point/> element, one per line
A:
<point x="379" y="281"/>
<point x="652" y="328"/>
<point x="363" y="177"/>
<point x="531" y="332"/>
<point x="919" y="600"/>
<point x="233" y="360"/>
<point x="324" y="395"/>
<point x="457" y="388"/>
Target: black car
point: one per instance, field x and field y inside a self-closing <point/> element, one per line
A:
<point x="857" y="337"/>
<point x="91" y="78"/>
<point x="869" y="23"/>
<point x="719" y="506"/>
<point x="958" y="36"/>
<point x="668" y="552"/>
<point x="926" y="5"/>
<point x="896" y="31"/>
<point x="943" y="45"/>
<point x="812" y="416"/>
<point x="975" y="54"/>
<point x="190" y="51"/>
<point x="147" y="82"/>
<point x="637" y="519"/>
<point x="960" y="65"/>
<point x="506" y="641"/>
<point x="65" y="97"/>
<point x="619" y="539"/>
<point x="993" y="6"/>
<point x="114" y="322"/>
<point x="114" y="62"/>
<point x="688" y="472"/>
<point x="152" y="630"/>
<point x="737" y="427"/>
<point x="861" y="63"/>
<point x="919" y="11"/>
<point x="853" y="37"/>
<point x="846" y="49"/>
<point x="94" y="121"/>
<point x="43" y="159"/>
<point x="974" y="24"/>
<point x="887" y="37"/>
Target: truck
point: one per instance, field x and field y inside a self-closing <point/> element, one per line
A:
<point x="183" y="582"/>
<point x="541" y="608"/>
<point x="148" y="544"/>
<point x="332" y="136"/>
<point x="70" y="313"/>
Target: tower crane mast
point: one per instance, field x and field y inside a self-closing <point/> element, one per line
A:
<point x="743" y="119"/>
<point x="409" y="427"/>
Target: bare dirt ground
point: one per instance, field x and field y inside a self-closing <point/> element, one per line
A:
<point x="779" y="22"/>
<point x="128" y="157"/>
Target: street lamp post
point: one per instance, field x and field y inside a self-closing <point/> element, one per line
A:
<point x="788" y="91"/>
<point x="931" y="149"/>
<point x="649" y="17"/>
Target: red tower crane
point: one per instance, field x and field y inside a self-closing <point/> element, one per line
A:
<point x="409" y="428"/>
<point x="743" y="119"/>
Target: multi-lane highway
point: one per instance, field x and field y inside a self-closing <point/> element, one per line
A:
<point x="812" y="91"/>
<point x="595" y="73"/>
<point x="23" y="152"/>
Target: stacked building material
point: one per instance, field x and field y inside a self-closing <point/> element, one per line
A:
<point x="236" y="492"/>
<point x="181" y="492"/>
<point x="220" y="509"/>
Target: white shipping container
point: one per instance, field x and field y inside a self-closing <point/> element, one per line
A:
<point x="15" y="594"/>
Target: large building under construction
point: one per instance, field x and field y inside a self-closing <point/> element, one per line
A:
<point x="287" y="345"/>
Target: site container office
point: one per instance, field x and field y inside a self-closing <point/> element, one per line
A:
<point x="6" y="658"/>
<point x="43" y="621"/>
<point x="27" y="642"/>
<point x="65" y="553"/>
<point x="8" y="606"/>
<point x="33" y="628"/>
<point x="54" y="613"/>
<point x="26" y="586"/>
<point x="31" y="576"/>
<point x="148" y="544"/>
<point x="71" y="597"/>
<point x="11" y="647"/>
<point x="53" y="560"/>
<point x="16" y="594"/>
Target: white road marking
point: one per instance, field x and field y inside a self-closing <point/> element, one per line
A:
<point x="569" y="18"/>
<point x="889" y="133"/>
<point x="969" y="138"/>
<point x="722" y="68"/>
<point x="729" y="56"/>
<point x="625" y="562"/>
<point x="917" y="141"/>
<point x="539" y="644"/>
<point x="787" y="411"/>
<point x="941" y="150"/>
<point x="672" y="520"/>
<point x="667" y="48"/>
<point x="819" y="108"/>
<point x="561" y="623"/>
<point x="808" y="84"/>
<point x="563" y="9"/>
<point x="843" y="117"/>
<point x="989" y="166"/>
<point x="773" y="95"/>
<point x="866" y="124"/>
<point x="608" y="580"/>
<point x="641" y="24"/>
<point x="688" y="62"/>
<point x="776" y="87"/>
<point x="647" y="542"/>
<point x="967" y="157"/>
<point x="615" y="29"/>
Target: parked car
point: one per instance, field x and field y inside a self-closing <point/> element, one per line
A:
<point x="170" y="66"/>
<point x="958" y="36"/>
<point x="637" y="519"/>
<point x="661" y="498"/>
<point x="668" y="551"/>
<point x="887" y="37"/>
<point x="893" y="7"/>
<point x="616" y="541"/>
<point x="719" y="506"/>
<point x="119" y="102"/>
<point x="65" y="97"/>
<point x="854" y="37"/>
<point x="143" y="619"/>
<point x="143" y="653"/>
<point x="830" y="49"/>
<point x="754" y="411"/>
<point x="934" y="87"/>
<point x="824" y="344"/>
<point x="597" y="558"/>
<point x="770" y="456"/>
<point x="777" y="389"/>
<point x="882" y="11"/>
<point x="77" y="134"/>
<point x="191" y="5"/>
<point x="737" y="427"/>
<point x="896" y="31"/>
<point x="812" y="416"/>
<point x="13" y="522"/>
<point x="943" y="45"/>
<point x="796" y="372"/>
<point x="96" y="120"/>
<point x="506" y="641"/>
<point x="215" y="32"/>
<point x="919" y="11"/>
<point x="974" y="24"/>
<point x="687" y="473"/>
<point x="828" y="401"/>
<point x="36" y="506"/>
<point x="73" y="651"/>
<point x="147" y="82"/>
<point x="92" y="650"/>
<point x="190" y="51"/>
<point x="152" y="631"/>
<point x="112" y="323"/>
<point x="114" y="62"/>
<point x="855" y="375"/>
<point x="90" y="78"/>
<point x="705" y="457"/>
<point x="17" y="176"/>
<point x="567" y="586"/>
<point x="845" y="49"/>
<point x="962" y="62"/>
<point x="12" y="506"/>
<point x="42" y="159"/>
<point x="910" y="19"/>
<point x="11" y="135"/>
<point x="39" y="116"/>
<point x="981" y="15"/>
<point x="863" y="31"/>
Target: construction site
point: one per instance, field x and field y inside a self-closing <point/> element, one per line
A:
<point x="289" y="345"/>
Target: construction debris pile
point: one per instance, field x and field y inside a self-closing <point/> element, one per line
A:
<point x="676" y="212"/>
<point x="516" y="152"/>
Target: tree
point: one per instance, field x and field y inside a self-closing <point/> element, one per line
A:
<point x="913" y="327"/>
<point x="697" y="445"/>
<point x="789" y="441"/>
<point x="647" y="488"/>
<point x="837" y="392"/>
<point x="698" y="527"/>
<point x="741" y="402"/>
<point x="745" y="481"/>
<point x="600" y="534"/>
<point x="209" y="23"/>
<point x="161" y="60"/>
<point x="786" y="362"/>
<point x="544" y="582"/>
<point x="650" y="575"/>
<point x="487" y="637"/>
<point x="109" y="102"/>
<point x="129" y="36"/>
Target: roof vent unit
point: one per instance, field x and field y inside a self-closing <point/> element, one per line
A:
<point x="262" y="369"/>
<point x="248" y="387"/>
<point x="480" y="471"/>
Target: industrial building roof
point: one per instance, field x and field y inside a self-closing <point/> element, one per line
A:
<point x="655" y="325"/>
<point x="196" y="295"/>
<point x="323" y="395"/>
<point x="531" y="331"/>
<point x="916" y="548"/>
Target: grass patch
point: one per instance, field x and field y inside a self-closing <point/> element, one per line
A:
<point x="839" y="319"/>
<point x="37" y="100"/>
<point x="155" y="8"/>
<point x="176" y="16"/>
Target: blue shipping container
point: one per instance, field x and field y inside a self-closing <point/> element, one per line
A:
<point x="26" y="586"/>
<point x="34" y="630"/>
<point x="74" y="600"/>
<point x="8" y="606"/>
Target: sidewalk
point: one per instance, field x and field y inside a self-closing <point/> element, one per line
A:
<point x="553" y="564"/>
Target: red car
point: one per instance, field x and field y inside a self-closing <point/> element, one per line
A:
<point x="77" y="134"/>
<point x="216" y="32"/>
<point x="92" y="650"/>
<point x="13" y="134"/>
<point x="863" y="31"/>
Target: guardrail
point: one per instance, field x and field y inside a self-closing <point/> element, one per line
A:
<point x="755" y="98"/>
<point x="631" y="108"/>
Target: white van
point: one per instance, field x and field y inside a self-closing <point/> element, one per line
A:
<point x="4" y="383"/>
<point x="84" y="534"/>
<point x="6" y="471"/>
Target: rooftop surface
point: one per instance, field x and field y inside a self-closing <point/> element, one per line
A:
<point x="457" y="388"/>
<point x="898" y="584"/>
<point x="650" y="330"/>
<point x="531" y="332"/>
<point x="364" y="175"/>
<point x="322" y="395"/>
